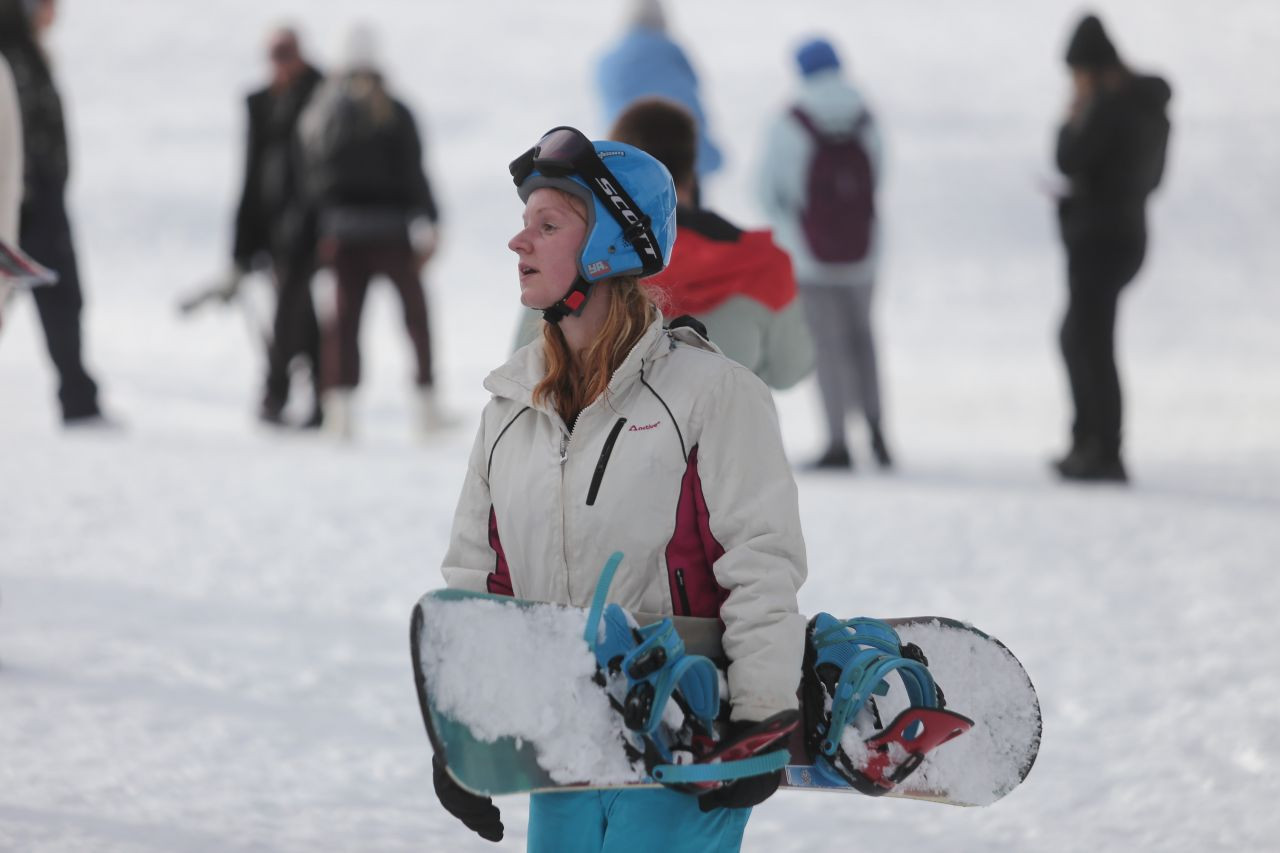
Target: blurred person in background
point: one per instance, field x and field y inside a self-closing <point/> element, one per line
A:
<point x="44" y="230"/>
<point x="1111" y="148"/>
<point x="737" y="283"/>
<point x="647" y="61"/>
<point x="10" y="165"/>
<point x="377" y="216"/>
<point x="273" y="224"/>
<point x="818" y="179"/>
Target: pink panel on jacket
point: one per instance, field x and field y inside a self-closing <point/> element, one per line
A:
<point x="693" y="550"/>
<point x="499" y="582"/>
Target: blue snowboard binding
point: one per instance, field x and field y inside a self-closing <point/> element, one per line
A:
<point x="847" y="663"/>
<point x="670" y="702"/>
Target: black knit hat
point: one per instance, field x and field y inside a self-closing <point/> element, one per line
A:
<point x="1090" y="47"/>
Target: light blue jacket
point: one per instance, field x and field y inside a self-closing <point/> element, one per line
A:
<point x="647" y="62"/>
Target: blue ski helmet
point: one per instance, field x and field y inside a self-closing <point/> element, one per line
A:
<point x="630" y="199"/>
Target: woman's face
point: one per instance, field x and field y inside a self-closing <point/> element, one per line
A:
<point x="548" y="246"/>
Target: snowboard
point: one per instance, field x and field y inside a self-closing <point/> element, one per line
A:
<point x="21" y="270"/>
<point x="512" y="702"/>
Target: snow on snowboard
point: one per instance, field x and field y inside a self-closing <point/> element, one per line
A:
<point x="520" y="696"/>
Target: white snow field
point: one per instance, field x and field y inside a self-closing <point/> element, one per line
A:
<point x="204" y="624"/>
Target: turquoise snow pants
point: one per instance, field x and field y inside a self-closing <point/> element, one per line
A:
<point x="618" y="821"/>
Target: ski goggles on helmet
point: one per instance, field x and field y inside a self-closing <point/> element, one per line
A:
<point x="565" y="152"/>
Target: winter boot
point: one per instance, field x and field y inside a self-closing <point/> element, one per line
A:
<point x="879" y="449"/>
<point x="836" y="458"/>
<point x="337" y="407"/>
<point x="1090" y="462"/>
<point x="94" y="422"/>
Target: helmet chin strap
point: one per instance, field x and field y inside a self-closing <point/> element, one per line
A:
<point x="572" y="303"/>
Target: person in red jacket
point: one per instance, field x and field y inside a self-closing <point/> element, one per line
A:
<point x="737" y="283"/>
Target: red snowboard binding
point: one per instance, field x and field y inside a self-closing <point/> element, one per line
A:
<point x="896" y="752"/>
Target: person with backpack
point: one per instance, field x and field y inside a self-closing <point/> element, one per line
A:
<point x="738" y="284"/>
<point x="818" y="182"/>
<point x="377" y="217"/>
<point x="1111" y="148"/>
<point x="613" y="433"/>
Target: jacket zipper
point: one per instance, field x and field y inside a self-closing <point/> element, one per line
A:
<point x="604" y="461"/>
<point x="684" y="593"/>
<point x="564" y="513"/>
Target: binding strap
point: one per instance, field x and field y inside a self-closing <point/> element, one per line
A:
<point x="654" y="661"/>
<point x="724" y="771"/>
<point x="865" y="652"/>
<point x="597" y="601"/>
<point x="872" y="651"/>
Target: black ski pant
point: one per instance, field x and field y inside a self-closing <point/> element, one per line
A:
<point x="295" y="331"/>
<point x="1097" y="271"/>
<point x="45" y="235"/>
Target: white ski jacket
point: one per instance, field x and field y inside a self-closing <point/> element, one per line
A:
<point x="680" y="466"/>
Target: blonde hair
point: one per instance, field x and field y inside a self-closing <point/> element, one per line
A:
<point x="571" y="390"/>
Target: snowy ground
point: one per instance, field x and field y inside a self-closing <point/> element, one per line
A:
<point x="203" y="625"/>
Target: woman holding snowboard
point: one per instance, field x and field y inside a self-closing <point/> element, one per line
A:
<point x="613" y="433"/>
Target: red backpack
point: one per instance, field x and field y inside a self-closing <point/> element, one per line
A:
<point x="840" y="194"/>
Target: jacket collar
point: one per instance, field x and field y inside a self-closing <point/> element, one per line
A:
<point x="516" y="379"/>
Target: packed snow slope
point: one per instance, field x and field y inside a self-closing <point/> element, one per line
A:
<point x="203" y="624"/>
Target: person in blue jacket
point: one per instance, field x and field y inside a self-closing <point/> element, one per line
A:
<point x="646" y="61"/>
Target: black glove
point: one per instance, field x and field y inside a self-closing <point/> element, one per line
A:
<point x="759" y="738"/>
<point x="478" y="813"/>
<point x="742" y="794"/>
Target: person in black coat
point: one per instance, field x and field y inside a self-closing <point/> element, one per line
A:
<point x="273" y="223"/>
<point x="1111" y="148"/>
<point x="44" y="228"/>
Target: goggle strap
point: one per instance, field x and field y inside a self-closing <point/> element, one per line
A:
<point x="641" y="227"/>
